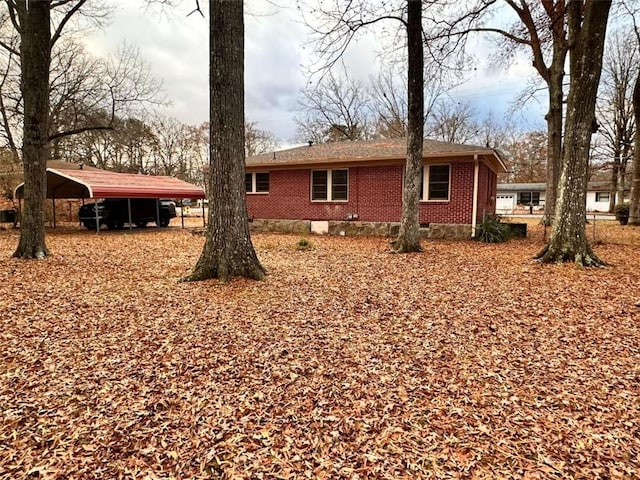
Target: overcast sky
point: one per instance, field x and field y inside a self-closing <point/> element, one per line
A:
<point x="277" y="54"/>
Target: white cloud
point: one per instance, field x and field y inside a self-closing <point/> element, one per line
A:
<point x="277" y="55"/>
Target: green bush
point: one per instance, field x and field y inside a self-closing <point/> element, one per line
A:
<point x="492" y="231"/>
<point x="303" y="244"/>
<point x="622" y="213"/>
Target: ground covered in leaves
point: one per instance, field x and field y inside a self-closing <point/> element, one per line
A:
<point x="467" y="361"/>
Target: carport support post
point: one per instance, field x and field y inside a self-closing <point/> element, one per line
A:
<point x="95" y="206"/>
<point x="181" y="213"/>
<point x="129" y="210"/>
<point x="53" y="203"/>
<point x="158" y="212"/>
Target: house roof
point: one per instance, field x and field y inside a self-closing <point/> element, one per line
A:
<point x="71" y="180"/>
<point x="370" y="152"/>
<point x="521" y="187"/>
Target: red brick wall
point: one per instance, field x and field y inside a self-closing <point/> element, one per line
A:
<point x="375" y="195"/>
<point x="487" y="183"/>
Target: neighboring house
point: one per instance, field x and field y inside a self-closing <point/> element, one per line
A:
<point x="599" y="195"/>
<point x="363" y="180"/>
<point x="529" y="197"/>
<point x="512" y="197"/>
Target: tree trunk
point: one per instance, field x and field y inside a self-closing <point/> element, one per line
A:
<point x="621" y="182"/>
<point x="409" y="235"/>
<point x="615" y="174"/>
<point x="568" y="240"/>
<point x="35" y="53"/>
<point x="228" y="251"/>
<point x="634" y="208"/>
<point x="554" y="135"/>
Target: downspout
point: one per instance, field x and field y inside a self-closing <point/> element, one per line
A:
<point x="474" y="208"/>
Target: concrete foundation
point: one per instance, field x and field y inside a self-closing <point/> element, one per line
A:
<point x="364" y="229"/>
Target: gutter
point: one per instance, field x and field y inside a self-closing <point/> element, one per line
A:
<point x="474" y="208"/>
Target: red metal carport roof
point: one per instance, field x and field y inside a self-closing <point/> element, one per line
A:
<point x="75" y="182"/>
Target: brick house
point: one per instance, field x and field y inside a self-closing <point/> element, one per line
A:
<point x="362" y="181"/>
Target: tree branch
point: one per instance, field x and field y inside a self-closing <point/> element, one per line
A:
<point x="197" y="9"/>
<point x="12" y="14"/>
<point x="66" y="18"/>
<point x="68" y="133"/>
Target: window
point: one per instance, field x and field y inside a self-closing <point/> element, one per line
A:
<point x="602" y="196"/>
<point x="437" y="179"/>
<point x="329" y="185"/>
<point x="256" y="182"/>
<point x="529" y="198"/>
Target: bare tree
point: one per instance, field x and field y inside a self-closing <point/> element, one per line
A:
<point x="452" y="122"/>
<point x="33" y="22"/>
<point x="587" y="23"/>
<point x="198" y="141"/>
<point x="541" y="29"/>
<point x="257" y="140"/>
<point x="388" y="96"/>
<point x="527" y="158"/>
<point x="170" y="147"/>
<point x="336" y="109"/>
<point x="494" y="134"/>
<point x="48" y="103"/>
<point x="84" y="88"/>
<point x="634" y="208"/>
<point x="409" y="235"/>
<point x="228" y="251"/>
<point x="10" y="92"/>
<point x="615" y="108"/>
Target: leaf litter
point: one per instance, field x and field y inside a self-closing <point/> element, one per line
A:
<point x="468" y="361"/>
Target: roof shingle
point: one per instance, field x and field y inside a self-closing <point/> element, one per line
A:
<point x="380" y="150"/>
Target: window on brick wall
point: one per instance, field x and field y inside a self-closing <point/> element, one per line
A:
<point x="437" y="178"/>
<point x="329" y="185"/>
<point x="256" y="182"/>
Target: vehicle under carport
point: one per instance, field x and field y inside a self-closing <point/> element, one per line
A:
<point x="66" y="180"/>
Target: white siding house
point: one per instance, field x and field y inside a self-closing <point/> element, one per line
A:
<point x="520" y="197"/>
<point x="599" y="195"/>
<point x="530" y="197"/>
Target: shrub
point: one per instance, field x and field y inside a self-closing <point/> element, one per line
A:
<point x="303" y="244"/>
<point x="492" y="231"/>
<point x="622" y="213"/>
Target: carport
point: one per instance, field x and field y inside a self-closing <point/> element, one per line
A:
<point x="74" y="180"/>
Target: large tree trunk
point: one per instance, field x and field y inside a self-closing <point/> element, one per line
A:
<point x="409" y="235"/>
<point x="634" y="209"/>
<point x="568" y="240"/>
<point x="228" y="251"/>
<point x="35" y="53"/>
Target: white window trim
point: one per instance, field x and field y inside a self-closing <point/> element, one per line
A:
<point x="425" y="183"/>
<point x="329" y="185"/>
<point x="599" y="194"/>
<point x="254" y="184"/>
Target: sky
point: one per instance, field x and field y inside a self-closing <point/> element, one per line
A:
<point x="278" y="55"/>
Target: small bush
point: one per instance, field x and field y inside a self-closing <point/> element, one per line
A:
<point x="622" y="213"/>
<point x="492" y="231"/>
<point x="303" y="244"/>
